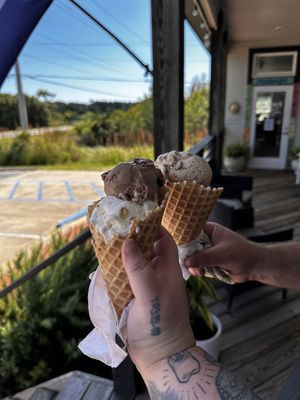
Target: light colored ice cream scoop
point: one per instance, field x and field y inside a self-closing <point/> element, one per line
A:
<point x="178" y="166"/>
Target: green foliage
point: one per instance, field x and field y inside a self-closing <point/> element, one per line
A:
<point x="52" y="148"/>
<point x="293" y="151"/>
<point x="61" y="150"/>
<point x="117" y="127"/>
<point x="196" y="112"/>
<point x="93" y="129"/>
<point x="8" y="112"/>
<point x="38" y="114"/>
<point x="112" y="155"/>
<point x="46" y="112"/>
<point x="42" y="322"/>
<point x="236" y="150"/>
<point x="200" y="288"/>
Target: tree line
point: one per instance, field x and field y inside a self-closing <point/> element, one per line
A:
<point x="106" y="123"/>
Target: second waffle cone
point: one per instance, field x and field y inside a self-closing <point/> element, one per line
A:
<point x="188" y="207"/>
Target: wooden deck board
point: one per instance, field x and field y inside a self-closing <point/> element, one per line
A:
<point x="261" y="338"/>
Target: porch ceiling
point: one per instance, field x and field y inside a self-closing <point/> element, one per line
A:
<point x="267" y="20"/>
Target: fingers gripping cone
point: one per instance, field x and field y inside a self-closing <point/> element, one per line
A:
<point x="188" y="207"/>
<point x="109" y="254"/>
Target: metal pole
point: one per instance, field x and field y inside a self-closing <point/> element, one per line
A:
<point x="23" y="117"/>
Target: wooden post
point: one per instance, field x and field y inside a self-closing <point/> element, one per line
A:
<point x="217" y="90"/>
<point x="168" y="63"/>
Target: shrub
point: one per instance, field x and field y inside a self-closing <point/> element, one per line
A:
<point x="52" y="148"/>
<point x="43" y="320"/>
<point x="93" y="129"/>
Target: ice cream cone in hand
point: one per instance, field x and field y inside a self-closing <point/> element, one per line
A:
<point x="190" y="198"/>
<point x="133" y="208"/>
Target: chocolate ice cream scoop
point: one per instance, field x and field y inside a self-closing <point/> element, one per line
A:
<point x="179" y="166"/>
<point x="137" y="180"/>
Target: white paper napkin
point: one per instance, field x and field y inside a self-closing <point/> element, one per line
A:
<point x="100" y="343"/>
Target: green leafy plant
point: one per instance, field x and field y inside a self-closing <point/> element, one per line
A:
<point x="42" y="321"/>
<point x="236" y="150"/>
<point x="293" y="152"/>
<point x="200" y="289"/>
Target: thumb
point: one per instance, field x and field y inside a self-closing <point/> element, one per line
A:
<point x="205" y="258"/>
<point x="139" y="271"/>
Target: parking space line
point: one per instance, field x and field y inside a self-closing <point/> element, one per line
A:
<point x="69" y="191"/>
<point x="21" y="235"/>
<point x="40" y="191"/>
<point x="13" y="190"/>
<point x="39" y="194"/>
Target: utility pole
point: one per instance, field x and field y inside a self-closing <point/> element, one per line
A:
<point x="23" y="117"/>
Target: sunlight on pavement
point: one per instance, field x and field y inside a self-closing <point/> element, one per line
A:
<point x="33" y="202"/>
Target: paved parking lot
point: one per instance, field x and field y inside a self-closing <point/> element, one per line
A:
<point x="33" y="202"/>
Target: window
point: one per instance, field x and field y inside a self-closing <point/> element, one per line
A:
<point x="274" y="64"/>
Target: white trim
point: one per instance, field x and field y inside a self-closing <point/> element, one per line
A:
<point x="291" y="72"/>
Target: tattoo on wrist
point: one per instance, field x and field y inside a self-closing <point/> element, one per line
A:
<point x="184" y="365"/>
<point x="195" y="375"/>
<point x="155" y="317"/>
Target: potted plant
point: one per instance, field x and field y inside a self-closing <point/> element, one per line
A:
<point x="236" y="156"/>
<point x="206" y="326"/>
<point x="294" y="156"/>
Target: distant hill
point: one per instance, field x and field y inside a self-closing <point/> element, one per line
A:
<point x="97" y="106"/>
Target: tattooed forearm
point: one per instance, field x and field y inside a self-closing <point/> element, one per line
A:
<point x="231" y="388"/>
<point x="194" y="375"/>
<point x="156" y="394"/>
<point x="155" y="317"/>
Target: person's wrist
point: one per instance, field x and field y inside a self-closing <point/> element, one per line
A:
<point x="150" y="371"/>
<point x="147" y="360"/>
<point x="259" y="262"/>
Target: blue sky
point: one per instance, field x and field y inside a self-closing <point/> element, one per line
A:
<point x="67" y="49"/>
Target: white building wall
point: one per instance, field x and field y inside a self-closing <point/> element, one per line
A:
<point x="236" y="90"/>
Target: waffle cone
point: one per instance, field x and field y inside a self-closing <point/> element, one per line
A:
<point x="188" y="207"/>
<point x="109" y="254"/>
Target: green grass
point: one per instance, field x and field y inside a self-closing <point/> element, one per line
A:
<point x="103" y="157"/>
<point x="61" y="151"/>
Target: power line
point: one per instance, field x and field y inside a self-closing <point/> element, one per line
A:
<point x="83" y="56"/>
<point x="88" y="44"/>
<point x="112" y="35"/>
<point x="53" y="63"/>
<point x="83" y="78"/>
<point x="88" y="78"/>
<point x="118" y="21"/>
<point x="100" y="44"/>
<point x="74" y="87"/>
<point x="74" y="15"/>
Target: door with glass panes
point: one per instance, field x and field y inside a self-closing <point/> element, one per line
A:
<point x="271" y="110"/>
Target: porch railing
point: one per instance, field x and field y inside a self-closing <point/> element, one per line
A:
<point x="205" y="148"/>
<point x="46" y="263"/>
